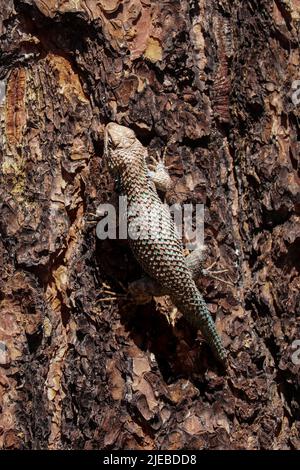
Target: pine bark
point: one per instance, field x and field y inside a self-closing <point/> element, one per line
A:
<point x="82" y="366"/>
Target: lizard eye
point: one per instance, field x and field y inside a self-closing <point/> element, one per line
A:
<point x="112" y="143"/>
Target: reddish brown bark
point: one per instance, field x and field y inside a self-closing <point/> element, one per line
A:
<point x="81" y="371"/>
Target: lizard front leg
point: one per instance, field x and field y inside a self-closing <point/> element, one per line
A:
<point x="158" y="171"/>
<point x="159" y="174"/>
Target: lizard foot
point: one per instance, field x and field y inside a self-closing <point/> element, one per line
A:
<point x="214" y="274"/>
<point x="158" y="170"/>
<point x="158" y="173"/>
<point x="107" y="294"/>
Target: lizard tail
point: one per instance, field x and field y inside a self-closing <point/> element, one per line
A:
<point x="197" y="313"/>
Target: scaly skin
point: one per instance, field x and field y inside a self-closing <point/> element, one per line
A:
<point x="159" y="250"/>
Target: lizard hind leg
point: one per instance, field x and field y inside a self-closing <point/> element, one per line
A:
<point x="195" y="262"/>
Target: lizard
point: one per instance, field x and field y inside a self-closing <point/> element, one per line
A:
<point x="152" y="236"/>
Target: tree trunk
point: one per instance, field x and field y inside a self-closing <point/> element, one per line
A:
<point x="81" y="365"/>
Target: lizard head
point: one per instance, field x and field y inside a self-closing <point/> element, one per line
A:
<point x="121" y="147"/>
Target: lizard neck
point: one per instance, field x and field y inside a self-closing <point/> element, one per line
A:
<point x="134" y="178"/>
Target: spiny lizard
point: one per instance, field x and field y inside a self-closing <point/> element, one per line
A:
<point x="153" y="239"/>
